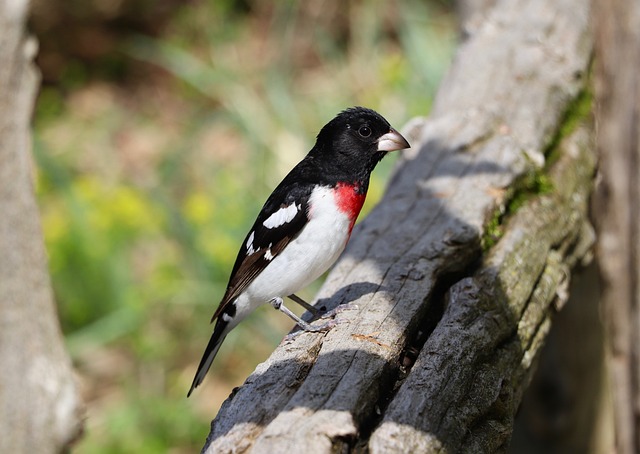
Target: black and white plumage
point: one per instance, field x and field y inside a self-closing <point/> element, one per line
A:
<point x="305" y="223"/>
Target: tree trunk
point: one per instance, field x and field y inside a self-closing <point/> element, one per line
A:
<point x="617" y="206"/>
<point x="457" y="273"/>
<point x="39" y="402"/>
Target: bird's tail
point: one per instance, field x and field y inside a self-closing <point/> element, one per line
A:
<point x="219" y="333"/>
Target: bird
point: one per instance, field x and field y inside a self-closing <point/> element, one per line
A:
<point x="305" y="223"/>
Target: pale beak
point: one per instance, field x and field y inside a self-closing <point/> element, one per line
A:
<point x="392" y="141"/>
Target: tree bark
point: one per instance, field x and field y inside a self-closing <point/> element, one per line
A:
<point x="617" y="206"/>
<point x="39" y="402"/>
<point x="457" y="273"/>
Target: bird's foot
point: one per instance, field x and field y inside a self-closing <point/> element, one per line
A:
<point x="340" y="309"/>
<point x="278" y="304"/>
<point x="314" y="329"/>
<point x="318" y="313"/>
<point x="326" y="326"/>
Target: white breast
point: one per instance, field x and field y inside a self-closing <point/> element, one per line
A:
<point x="310" y="254"/>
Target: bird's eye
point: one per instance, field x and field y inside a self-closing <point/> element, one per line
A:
<point x="364" y="131"/>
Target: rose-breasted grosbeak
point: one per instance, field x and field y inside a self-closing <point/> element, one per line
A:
<point x="306" y="222"/>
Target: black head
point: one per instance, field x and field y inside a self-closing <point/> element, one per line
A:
<point x="356" y="140"/>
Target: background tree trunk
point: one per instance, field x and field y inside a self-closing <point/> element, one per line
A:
<point x="458" y="272"/>
<point x="617" y="206"/>
<point x="39" y="402"/>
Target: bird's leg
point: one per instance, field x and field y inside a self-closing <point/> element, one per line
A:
<point x="278" y="303"/>
<point x="315" y="312"/>
<point x="322" y="313"/>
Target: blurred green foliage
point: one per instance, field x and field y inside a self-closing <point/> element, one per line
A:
<point x="148" y="186"/>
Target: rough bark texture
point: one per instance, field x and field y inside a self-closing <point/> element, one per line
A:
<point x="617" y="206"/>
<point x="457" y="273"/>
<point x="39" y="403"/>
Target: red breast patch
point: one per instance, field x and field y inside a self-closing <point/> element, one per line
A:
<point x="349" y="201"/>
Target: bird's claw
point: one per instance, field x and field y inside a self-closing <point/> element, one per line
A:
<point x="311" y="329"/>
<point x="340" y="309"/>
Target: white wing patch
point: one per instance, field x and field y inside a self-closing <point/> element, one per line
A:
<point x="268" y="255"/>
<point x="280" y="217"/>
<point x="249" y="244"/>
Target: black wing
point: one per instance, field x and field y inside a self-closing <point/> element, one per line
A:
<point x="281" y="219"/>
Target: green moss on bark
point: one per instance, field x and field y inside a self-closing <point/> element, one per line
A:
<point x="536" y="182"/>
